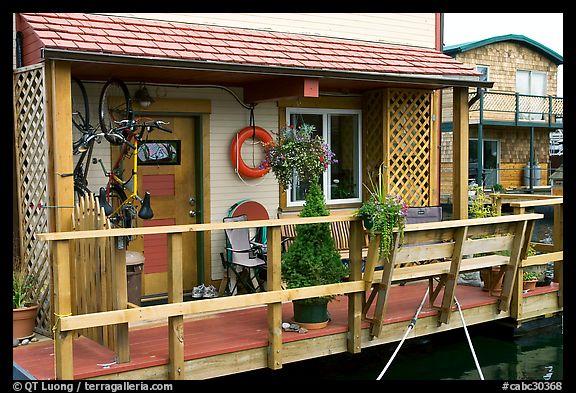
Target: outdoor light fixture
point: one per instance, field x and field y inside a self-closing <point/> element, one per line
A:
<point x="143" y="97"/>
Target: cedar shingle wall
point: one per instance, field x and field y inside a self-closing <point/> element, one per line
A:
<point x="503" y="60"/>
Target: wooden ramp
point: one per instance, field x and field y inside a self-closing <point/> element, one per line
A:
<point x="231" y="342"/>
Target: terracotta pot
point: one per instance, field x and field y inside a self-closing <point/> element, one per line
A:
<point x="489" y="277"/>
<point x="24" y="321"/>
<point x="529" y="285"/>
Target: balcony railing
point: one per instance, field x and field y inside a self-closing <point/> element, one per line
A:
<point x="516" y="108"/>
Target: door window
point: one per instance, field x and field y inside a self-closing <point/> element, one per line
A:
<point x="491" y="158"/>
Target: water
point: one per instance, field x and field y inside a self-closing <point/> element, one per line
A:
<point x="536" y="355"/>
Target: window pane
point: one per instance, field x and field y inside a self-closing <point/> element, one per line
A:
<point x="297" y="192"/>
<point x="537" y="83"/>
<point x="523" y="82"/>
<point x="490" y="163"/>
<point x="344" y="181"/>
<point x="472" y="159"/>
<point x="484" y="71"/>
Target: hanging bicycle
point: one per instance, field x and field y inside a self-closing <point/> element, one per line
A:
<point x="120" y="196"/>
<point x="84" y="145"/>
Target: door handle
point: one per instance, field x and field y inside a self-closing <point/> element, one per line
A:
<point x="192" y="201"/>
<point x="192" y="213"/>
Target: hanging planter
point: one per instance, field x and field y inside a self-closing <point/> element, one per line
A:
<point x="236" y="147"/>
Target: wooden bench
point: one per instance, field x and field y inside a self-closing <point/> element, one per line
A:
<point x="340" y="234"/>
<point x="452" y="246"/>
<point x="341" y="230"/>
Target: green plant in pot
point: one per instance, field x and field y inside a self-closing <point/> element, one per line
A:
<point x="530" y="278"/>
<point x="312" y="259"/>
<point x="24" y="305"/>
<point x="382" y="212"/>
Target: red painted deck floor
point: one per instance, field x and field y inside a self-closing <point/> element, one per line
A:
<point x="227" y="332"/>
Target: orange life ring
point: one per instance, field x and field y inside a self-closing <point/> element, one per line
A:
<point x="235" y="156"/>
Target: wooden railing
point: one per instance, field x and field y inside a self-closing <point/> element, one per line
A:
<point x="355" y="288"/>
<point x="546" y="253"/>
<point x="66" y="323"/>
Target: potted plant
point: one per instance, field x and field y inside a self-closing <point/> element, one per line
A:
<point x="530" y="280"/>
<point x="382" y="212"/>
<point x="312" y="259"/>
<point x="24" y="306"/>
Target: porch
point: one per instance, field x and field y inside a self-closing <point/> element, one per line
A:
<point x="213" y="337"/>
<point x="224" y="343"/>
<point x="399" y="127"/>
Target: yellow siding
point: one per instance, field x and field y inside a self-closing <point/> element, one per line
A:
<point x="416" y="29"/>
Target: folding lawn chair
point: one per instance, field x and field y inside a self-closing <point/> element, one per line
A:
<point x="243" y="254"/>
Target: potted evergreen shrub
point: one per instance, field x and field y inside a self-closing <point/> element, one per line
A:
<point x="312" y="258"/>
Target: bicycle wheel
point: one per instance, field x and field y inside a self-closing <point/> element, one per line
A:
<point x="114" y="105"/>
<point x="80" y="108"/>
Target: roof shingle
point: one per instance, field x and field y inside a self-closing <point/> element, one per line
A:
<point x="149" y="38"/>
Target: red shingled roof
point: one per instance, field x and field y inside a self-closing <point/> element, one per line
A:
<point x="173" y="40"/>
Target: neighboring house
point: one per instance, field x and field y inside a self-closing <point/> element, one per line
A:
<point x="375" y="100"/>
<point x="511" y="123"/>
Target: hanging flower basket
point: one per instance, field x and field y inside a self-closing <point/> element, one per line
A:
<point x="297" y="152"/>
<point x="382" y="212"/>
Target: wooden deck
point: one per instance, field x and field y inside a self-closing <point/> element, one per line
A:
<point x="231" y="342"/>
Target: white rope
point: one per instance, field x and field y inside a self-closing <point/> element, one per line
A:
<point x="469" y="340"/>
<point x="410" y="327"/>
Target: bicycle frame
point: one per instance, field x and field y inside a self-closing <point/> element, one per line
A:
<point x="113" y="178"/>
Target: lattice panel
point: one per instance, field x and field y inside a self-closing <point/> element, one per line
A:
<point x="533" y="104"/>
<point x="31" y="150"/>
<point x="558" y="106"/>
<point x="372" y="133"/>
<point x="497" y="102"/>
<point x="409" y="113"/>
<point x="373" y="119"/>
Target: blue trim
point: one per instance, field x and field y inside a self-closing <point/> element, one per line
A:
<point x="520" y="39"/>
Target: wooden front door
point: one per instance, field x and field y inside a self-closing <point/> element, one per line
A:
<point x="168" y="175"/>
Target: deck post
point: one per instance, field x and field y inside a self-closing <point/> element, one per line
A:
<point x="274" y="309"/>
<point x="558" y="241"/>
<point x="460" y="171"/>
<point x="63" y="341"/>
<point x="356" y="242"/>
<point x="121" y="302"/>
<point x="175" y="295"/>
<point x="517" y="298"/>
<point x="59" y="132"/>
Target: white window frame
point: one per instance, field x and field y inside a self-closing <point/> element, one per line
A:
<point x="487" y="70"/>
<point x="531" y="86"/>
<point x="326" y="137"/>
